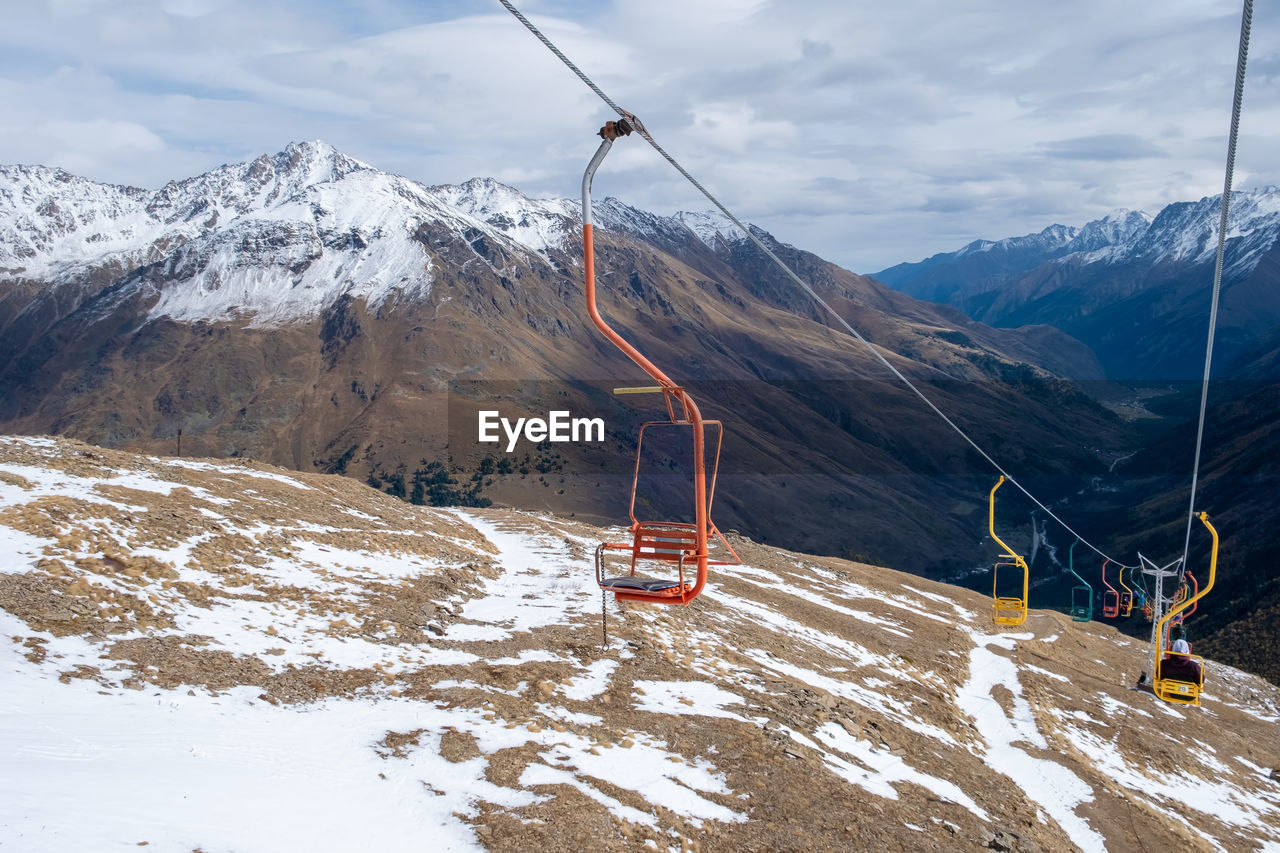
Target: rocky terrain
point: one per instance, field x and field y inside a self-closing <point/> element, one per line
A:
<point x="205" y="654"/>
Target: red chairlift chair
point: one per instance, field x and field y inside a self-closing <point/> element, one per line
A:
<point x="671" y="545"/>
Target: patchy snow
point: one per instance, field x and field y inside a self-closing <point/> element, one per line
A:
<point x="180" y="772"/>
<point x="1114" y="707"/>
<point x="46" y="483"/>
<point x="892" y="708"/>
<point x="770" y="580"/>
<point x="685" y="697"/>
<point x="229" y="466"/>
<point x="541" y="585"/>
<point x="645" y="766"/>
<point x="593" y="681"/>
<point x="902" y="602"/>
<point x="1054" y="675"/>
<point x="652" y="729"/>
<point x="543" y="774"/>
<point x="958" y="609"/>
<point x="847" y="650"/>
<point x="18" y="548"/>
<point x="1047" y="783"/>
<point x="878" y="769"/>
<point x="1220" y="800"/>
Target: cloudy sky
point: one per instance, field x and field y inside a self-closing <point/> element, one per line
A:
<point x="869" y="132"/>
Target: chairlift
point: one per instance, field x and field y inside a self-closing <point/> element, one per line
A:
<point x="1006" y="609"/>
<point x="1184" y="590"/>
<point x="1141" y="600"/>
<point x="1179" y="676"/>
<point x="1139" y="593"/>
<point x="678" y="547"/>
<point x="1081" y="593"/>
<point x="1126" y="597"/>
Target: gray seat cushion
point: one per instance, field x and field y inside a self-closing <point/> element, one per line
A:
<point x="646" y="584"/>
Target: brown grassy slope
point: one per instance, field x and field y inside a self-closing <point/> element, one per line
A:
<point x="847" y="707"/>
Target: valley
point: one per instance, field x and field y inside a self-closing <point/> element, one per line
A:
<point x="308" y="310"/>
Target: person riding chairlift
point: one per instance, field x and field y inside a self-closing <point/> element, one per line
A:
<point x="1177" y="664"/>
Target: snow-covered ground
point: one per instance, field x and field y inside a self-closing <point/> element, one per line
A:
<point x="223" y="656"/>
<point x="278" y="239"/>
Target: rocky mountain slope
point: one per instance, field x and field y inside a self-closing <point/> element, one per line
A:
<point x="1135" y="289"/>
<point x="205" y="654"/>
<point x="309" y="310"/>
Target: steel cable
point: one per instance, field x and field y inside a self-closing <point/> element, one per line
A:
<point x="1246" y="22"/>
<point x="801" y="282"/>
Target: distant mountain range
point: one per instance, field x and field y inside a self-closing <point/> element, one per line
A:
<point x="1134" y="288"/>
<point x="307" y="309"/>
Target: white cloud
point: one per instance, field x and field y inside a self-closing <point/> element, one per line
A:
<point x="871" y="133"/>
<point x="83" y="145"/>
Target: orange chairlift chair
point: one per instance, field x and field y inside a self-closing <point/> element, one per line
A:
<point x="1110" y="597"/>
<point x="1006" y="609"/>
<point x="1180" y="677"/>
<point x="680" y="548"/>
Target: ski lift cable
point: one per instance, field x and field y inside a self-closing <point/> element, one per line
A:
<point x="801" y="283"/>
<point x="1246" y="22"/>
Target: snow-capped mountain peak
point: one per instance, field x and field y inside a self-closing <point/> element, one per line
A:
<point x="536" y="224"/>
<point x="711" y="227"/>
<point x="277" y="238"/>
<point x="1118" y="228"/>
<point x="258" y="184"/>
<point x="53" y="223"/>
<point x="1182" y="231"/>
<point x="1116" y="275"/>
<point x="48" y="213"/>
<point x="1052" y="238"/>
<point x="1188" y="231"/>
<point x="482" y="195"/>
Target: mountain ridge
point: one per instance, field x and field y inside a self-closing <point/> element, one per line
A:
<point x="381" y="295"/>
<point x="1133" y="290"/>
